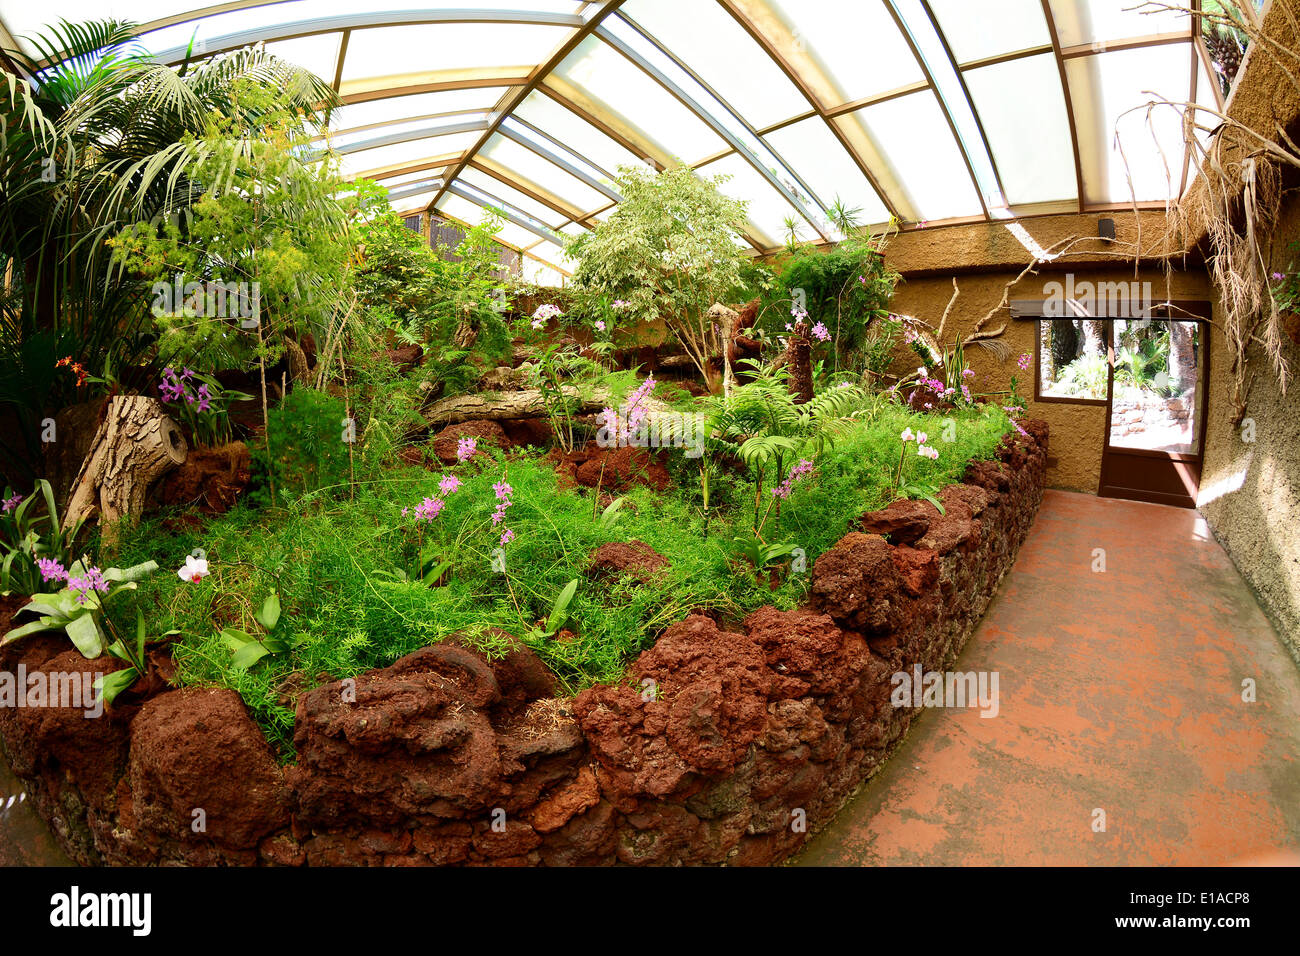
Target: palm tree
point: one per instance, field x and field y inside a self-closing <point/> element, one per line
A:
<point x="95" y="135"/>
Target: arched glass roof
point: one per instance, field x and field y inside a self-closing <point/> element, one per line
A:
<point x="930" y="111"/>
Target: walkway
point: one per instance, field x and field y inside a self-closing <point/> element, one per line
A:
<point x="1120" y="691"/>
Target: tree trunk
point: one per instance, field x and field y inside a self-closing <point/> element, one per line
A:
<point x="798" y="352"/>
<point x="135" y="445"/>
<point x="1182" y="356"/>
<point x="526" y="403"/>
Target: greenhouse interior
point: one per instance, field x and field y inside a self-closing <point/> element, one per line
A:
<point x="650" y="433"/>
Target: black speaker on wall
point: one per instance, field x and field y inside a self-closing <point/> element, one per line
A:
<point x="1106" y="228"/>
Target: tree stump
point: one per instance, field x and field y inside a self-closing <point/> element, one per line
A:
<point x="135" y="445"/>
<point x="799" y="361"/>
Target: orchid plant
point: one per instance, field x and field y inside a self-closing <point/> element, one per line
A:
<point x="27" y="537"/>
<point x="77" y="608"/>
<point x="907" y="489"/>
<point x="201" y="404"/>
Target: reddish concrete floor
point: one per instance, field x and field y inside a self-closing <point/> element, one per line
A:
<point x="1119" y="691"/>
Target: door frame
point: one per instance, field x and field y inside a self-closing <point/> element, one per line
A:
<point x="1151" y="468"/>
<point x="1156" y="467"/>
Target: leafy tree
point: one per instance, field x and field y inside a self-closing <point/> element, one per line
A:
<point x="93" y="137"/>
<point x="669" y="249"/>
<point x="847" y="288"/>
<point x="451" y="302"/>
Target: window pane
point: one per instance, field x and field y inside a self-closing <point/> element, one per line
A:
<point x="1107" y="91"/>
<point x="1022" y="110"/>
<point x="1082" y="22"/>
<point x="574" y="132"/>
<point x="847" y="51"/>
<point x="1072" y="359"/>
<point x="618" y="87"/>
<point x="1158" y="368"/>
<point x="967" y="26"/>
<point x="429" y="127"/>
<point x="534" y="169"/>
<point x="319" y="54"/>
<point x="395" y="109"/>
<point x="400" y="154"/>
<point x="508" y="194"/>
<point x="389" y="51"/>
<point x="917" y="159"/>
<point x="767" y="210"/>
<point x="814" y="152"/>
<point x="717" y="49"/>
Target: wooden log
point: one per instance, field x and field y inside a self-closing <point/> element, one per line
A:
<point x="136" y="444"/>
<point x="526" y="403"/>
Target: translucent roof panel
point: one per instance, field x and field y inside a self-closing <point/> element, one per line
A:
<point x="930" y="109"/>
<point x="393" y="183"/>
<point x="552" y="254"/>
<point x="719" y="51"/>
<point x="302" y="16"/>
<point x="538" y="273"/>
<point x="1109" y="98"/>
<point x="1022" y="110"/>
<point x="416" y="129"/>
<point x="509" y="194"/>
<point x="969" y="27"/>
<point x="395" y="51"/>
<point x="768" y="210"/>
<point x="563" y="125"/>
<point x="617" y="86"/>
<point x="919" y="156"/>
<point x="319" y="54"/>
<point x="409" y="153"/>
<point x="526" y="165"/>
<point x="1084" y="22"/>
<point x="845" y="51"/>
<point x="812" y="148"/>
<point x="397" y="109"/>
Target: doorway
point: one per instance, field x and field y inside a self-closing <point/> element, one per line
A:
<point x="1147" y="376"/>
<point x="1155" y="413"/>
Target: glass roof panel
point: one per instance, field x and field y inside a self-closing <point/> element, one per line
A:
<point x="429" y="127"/>
<point x="1107" y="89"/>
<point x="1022" y="109"/>
<point x="849" y="51"/>
<point x="564" y="125"/>
<point x="407" y="153"/>
<point x="976" y="30"/>
<point x="508" y="194"/>
<point x="768" y="209"/>
<point x="709" y="41"/>
<point x="462" y="209"/>
<point x="919" y="156"/>
<point x="1083" y="22"/>
<point x="1205" y="87"/>
<point x="810" y="147"/>
<point x="539" y="273"/>
<point x="542" y="172"/>
<point x="553" y="254"/>
<point x="289" y="15"/>
<point x="390" y="51"/>
<point x="318" y="54"/>
<point x="396" y="109"/>
<point x="25" y="17"/>
<point x="619" y="87"/>
<point x="413" y="203"/>
<point x="393" y="183"/>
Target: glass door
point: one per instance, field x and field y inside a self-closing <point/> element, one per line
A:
<point x="1155" y="418"/>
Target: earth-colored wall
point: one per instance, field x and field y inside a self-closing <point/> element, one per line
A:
<point x="1079" y="430"/>
<point x="1250" y="490"/>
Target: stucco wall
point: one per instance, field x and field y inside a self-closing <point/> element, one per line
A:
<point x="1250" y="491"/>
<point x="1078" y="430"/>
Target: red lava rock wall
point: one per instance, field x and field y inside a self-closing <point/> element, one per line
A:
<point x="725" y="746"/>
